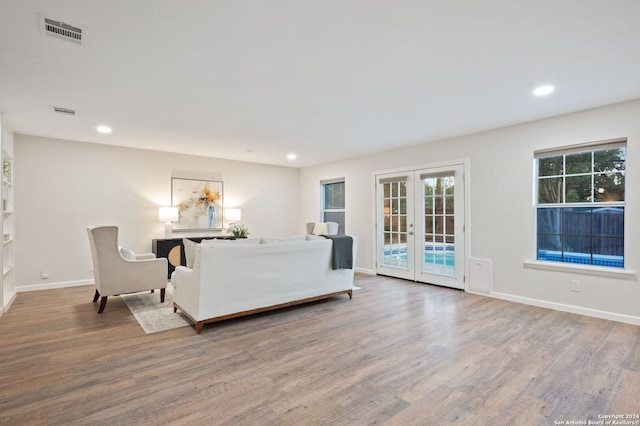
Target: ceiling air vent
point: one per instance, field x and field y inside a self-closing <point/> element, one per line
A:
<point x="62" y="30"/>
<point x="65" y="111"/>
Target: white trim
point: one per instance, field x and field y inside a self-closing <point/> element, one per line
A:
<point x="364" y="271"/>
<point x="49" y="286"/>
<point x="581" y="147"/>
<point x="6" y="307"/>
<point x="628" y="319"/>
<point x="333" y="180"/>
<point x="600" y="271"/>
<point x="433" y="165"/>
<point x="598" y="205"/>
<point x="465" y="162"/>
<point x="323" y="209"/>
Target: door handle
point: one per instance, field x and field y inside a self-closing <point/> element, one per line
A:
<point x="410" y="232"/>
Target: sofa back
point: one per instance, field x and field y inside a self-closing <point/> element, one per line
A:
<point x="240" y="277"/>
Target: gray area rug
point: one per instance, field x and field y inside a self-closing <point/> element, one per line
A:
<point x="152" y="315"/>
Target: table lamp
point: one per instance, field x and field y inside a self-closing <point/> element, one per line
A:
<point x="168" y="215"/>
<point x="232" y="215"/>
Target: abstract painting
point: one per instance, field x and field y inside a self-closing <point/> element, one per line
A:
<point x="199" y="204"/>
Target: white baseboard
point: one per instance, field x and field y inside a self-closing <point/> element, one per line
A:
<point x="613" y="316"/>
<point x="364" y="271"/>
<point x="7" y="305"/>
<point x="49" y="286"/>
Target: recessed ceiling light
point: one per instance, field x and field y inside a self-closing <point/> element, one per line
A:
<point x="104" y="129"/>
<point x="543" y="90"/>
<point x="291" y="156"/>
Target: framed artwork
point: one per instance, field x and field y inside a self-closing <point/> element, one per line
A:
<point x="199" y="204"/>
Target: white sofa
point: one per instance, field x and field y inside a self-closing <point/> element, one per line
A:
<point x="236" y="278"/>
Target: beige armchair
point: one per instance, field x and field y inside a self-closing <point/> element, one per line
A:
<point x="118" y="270"/>
<point x="322" y="228"/>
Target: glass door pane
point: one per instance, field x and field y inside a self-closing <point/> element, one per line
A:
<point x="395" y="225"/>
<point x="440" y="239"/>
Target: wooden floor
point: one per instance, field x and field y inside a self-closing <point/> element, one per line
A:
<point x="399" y="353"/>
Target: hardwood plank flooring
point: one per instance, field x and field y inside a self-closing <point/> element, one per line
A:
<point x="399" y="353"/>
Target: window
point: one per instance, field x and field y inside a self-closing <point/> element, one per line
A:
<point x="333" y="203"/>
<point x="580" y="204"/>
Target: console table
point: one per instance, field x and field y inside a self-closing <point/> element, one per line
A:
<point x="173" y="250"/>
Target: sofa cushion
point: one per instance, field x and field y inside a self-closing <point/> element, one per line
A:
<point x="320" y="228"/>
<point x="127" y="254"/>
<point x="272" y="240"/>
<point x="190" y="246"/>
<point x="189" y="251"/>
<point x="215" y="241"/>
<point x="325" y="228"/>
<point x="282" y="240"/>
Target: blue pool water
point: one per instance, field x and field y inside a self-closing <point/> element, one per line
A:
<point x="581" y="258"/>
<point x="439" y="259"/>
<point x="554" y="256"/>
<point x="429" y="258"/>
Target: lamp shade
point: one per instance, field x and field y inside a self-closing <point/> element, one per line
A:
<point x="168" y="214"/>
<point x="232" y="215"/>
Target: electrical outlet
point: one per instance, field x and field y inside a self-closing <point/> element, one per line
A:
<point x="575" y="285"/>
<point x="44" y="274"/>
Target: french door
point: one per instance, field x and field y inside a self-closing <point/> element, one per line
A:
<point x="420" y="225"/>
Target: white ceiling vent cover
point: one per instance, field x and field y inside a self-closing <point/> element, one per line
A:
<point x="65" y="111"/>
<point x="62" y="30"/>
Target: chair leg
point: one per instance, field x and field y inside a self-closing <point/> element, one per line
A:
<point x="152" y="290"/>
<point x="95" y="297"/>
<point x="162" y="291"/>
<point x="103" y="303"/>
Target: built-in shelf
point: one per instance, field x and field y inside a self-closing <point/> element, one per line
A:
<point x="7" y="169"/>
<point x="7" y="220"/>
<point x="7" y="269"/>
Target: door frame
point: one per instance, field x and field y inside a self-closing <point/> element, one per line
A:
<point x="465" y="163"/>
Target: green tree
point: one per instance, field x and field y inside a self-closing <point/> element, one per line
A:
<point x="573" y="173"/>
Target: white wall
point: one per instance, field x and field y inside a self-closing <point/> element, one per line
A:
<point x="501" y="197"/>
<point x="64" y="186"/>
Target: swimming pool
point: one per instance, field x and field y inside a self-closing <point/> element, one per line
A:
<point x="581" y="258"/>
<point x="440" y="257"/>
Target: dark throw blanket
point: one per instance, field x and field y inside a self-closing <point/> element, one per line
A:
<point x="341" y="252"/>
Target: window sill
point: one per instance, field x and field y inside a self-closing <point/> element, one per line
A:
<point x="581" y="269"/>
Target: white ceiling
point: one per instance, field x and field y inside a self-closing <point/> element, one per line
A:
<point x="325" y="79"/>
